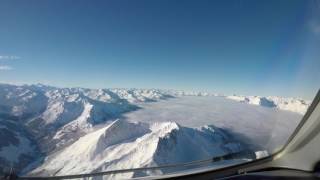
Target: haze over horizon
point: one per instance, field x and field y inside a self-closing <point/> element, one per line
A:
<point x="248" y="47"/>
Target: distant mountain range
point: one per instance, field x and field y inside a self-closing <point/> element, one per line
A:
<point x="42" y="125"/>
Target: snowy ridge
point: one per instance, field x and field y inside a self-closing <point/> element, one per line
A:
<point x="296" y="105"/>
<point x="20" y="101"/>
<point x="114" y="147"/>
<point x="190" y="93"/>
<point x="141" y="95"/>
<point x="289" y="104"/>
<point x="22" y="98"/>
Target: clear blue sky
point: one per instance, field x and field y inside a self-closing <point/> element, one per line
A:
<point x="245" y="47"/>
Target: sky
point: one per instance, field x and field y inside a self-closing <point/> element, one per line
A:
<point x="229" y="46"/>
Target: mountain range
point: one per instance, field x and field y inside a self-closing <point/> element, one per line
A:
<point x="46" y="130"/>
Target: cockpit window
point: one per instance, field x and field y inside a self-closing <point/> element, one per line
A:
<point x="143" y="88"/>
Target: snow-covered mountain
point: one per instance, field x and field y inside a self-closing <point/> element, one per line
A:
<point x="40" y="126"/>
<point x="114" y="147"/>
<point x="289" y="104"/>
<point x="17" y="147"/>
<point x="55" y="117"/>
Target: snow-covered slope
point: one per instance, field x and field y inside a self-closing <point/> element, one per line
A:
<point x="17" y="149"/>
<point x="114" y="147"/>
<point x="289" y="104"/>
<point x="56" y="117"/>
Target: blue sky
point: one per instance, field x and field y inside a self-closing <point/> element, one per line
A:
<point x="244" y="47"/>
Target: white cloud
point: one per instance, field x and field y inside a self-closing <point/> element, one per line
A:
<point x="5" y="59"/>
<point x="5" y="68"/>
<point x="9" y="57"/>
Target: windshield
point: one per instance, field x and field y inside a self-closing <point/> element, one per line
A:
<point x="95" y="86"/>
